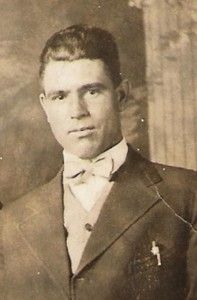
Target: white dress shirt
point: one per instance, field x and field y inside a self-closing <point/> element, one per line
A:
<point x="89" y="192"/>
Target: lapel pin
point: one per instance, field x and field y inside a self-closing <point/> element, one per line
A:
<point x="155" y="251"/>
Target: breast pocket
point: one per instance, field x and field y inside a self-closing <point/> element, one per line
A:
<point x="148" y="277"/>
<point x="159" y="259"/>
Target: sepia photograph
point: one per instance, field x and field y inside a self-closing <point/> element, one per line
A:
<point x="98" y="150"/>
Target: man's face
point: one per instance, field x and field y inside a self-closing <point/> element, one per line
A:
<point x="82" y="106"/>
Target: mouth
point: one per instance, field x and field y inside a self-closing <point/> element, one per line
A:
<point x="82" y="131"/>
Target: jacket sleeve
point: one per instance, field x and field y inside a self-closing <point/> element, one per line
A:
<point x="192" y="252"/>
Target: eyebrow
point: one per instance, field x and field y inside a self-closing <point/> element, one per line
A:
<point x="60" y="92"/>
<point x="93" y="85"/>
<point x="83" y="88"/>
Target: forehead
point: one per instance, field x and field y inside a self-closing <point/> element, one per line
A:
<point x="67" y="75"/>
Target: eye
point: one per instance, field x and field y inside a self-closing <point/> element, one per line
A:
<point x="59" y="97"/>
<point x="93" y="91"/>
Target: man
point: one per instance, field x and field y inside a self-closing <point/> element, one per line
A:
<point x="111" y="225"/>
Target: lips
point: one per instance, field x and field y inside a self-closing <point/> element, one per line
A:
<point x="82" y="132"/>
<point x="81" y="129"/>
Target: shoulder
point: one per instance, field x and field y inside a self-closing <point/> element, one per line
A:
<point x="177" y="176"/>
<point x="182" y="182"/>
<point x="170" y="175"/>
<point x="34" y="201"/>
<point x="176" y="187"/>
<point x="178" y="190"/>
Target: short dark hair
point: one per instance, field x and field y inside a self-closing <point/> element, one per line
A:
<point x="83" y="41"/>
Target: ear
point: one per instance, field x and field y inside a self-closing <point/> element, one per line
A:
<point x="42" y="99"/>
<point x="122" y="92"/>
<point x="43" y="102"/>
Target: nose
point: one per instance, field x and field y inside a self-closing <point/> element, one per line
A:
<point x="78" y="107"/>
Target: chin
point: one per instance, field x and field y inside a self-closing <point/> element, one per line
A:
<point x="87" y="152"/>
<point x="83" y="148"/>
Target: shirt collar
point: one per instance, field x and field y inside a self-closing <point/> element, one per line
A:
<point x="118" y="153"/>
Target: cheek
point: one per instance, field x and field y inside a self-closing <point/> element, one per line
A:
<point x="102" y="110"/>
<point x="58" y="126"/>
<point x="55" y="115"/>
<point x="106" y="117"/>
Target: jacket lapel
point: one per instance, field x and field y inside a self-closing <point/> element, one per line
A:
<point x="46" y="237"/>
<point x="130" y="198"/>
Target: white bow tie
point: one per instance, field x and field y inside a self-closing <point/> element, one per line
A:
<point x="79" y="171"/>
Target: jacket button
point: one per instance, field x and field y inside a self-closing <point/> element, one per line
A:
<point x="81" y="279"/>
<point x="88" y="227"/>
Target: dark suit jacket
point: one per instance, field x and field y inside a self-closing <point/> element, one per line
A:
<point x="147" y="203"/>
